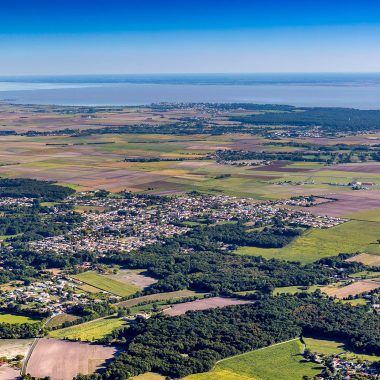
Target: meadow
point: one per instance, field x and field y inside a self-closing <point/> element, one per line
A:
<point x="89" y="331"/>
<point x="318" y="243"/>
<point x="259" y="365"/>
<point x="107" y="284"/>
<point x="15" y="319"/>
<point x="331" y="347"/>
<point x="59" y="319"/>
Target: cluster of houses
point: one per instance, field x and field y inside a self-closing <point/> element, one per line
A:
<point x="346" y="369"/>
<point x="114" y="224"/>
<point x="18" y="202"/>
<point x="55" y="296"/>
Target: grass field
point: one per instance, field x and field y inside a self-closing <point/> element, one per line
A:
<point x="278" y="362"/>
<point x="13" y="318"/>
<point x="160" y="297"/>
<point x="60" y="319"/>
<point x="89" y="331"/>
<point x="295" y="289"/>
<point x="330" y="347"/>
<point x="107" y="284"/>
<point x="368" y="275"/>
<point x="315" y="244"/>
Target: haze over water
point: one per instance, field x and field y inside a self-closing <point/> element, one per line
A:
<point x="330" y="90"/>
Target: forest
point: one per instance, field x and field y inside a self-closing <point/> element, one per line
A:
<point x="191" y="343"/>
<point x="331" y="120"/>
<point x="198" y="261"/>
<point x="31" y="188"/>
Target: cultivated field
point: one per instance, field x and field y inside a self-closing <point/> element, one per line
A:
<point x="107" y="284"/>
<point x="202" y="304"/>
<point x="315" y="244"/>
<point x="89" y="331"/>
<point x="13" y="347"/>
<point x="133" y="277"/>
<point x="9" y="373"/>
<point x="62" y="360"/>
<point x="295" y="289"/>
<point x="364" y="258"/>
<point x="59" y="319"/>
<point x="283" y="361"/>
<point x="14" y="318"/>
<point x="353" y="205"/>
<point x="97" y="161"/>
<point x="353" y="289"/>
<point x="160" y="297"/>
<point x="330" y="347"/>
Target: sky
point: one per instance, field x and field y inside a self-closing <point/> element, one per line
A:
<point x="52" y="37"/>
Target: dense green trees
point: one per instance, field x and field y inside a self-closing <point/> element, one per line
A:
<point x="30" y="188"/>
<point x="198" y="261"/>
<point x="34" y="223"/>
<point x="20" y="330"/>
<point x="178" y="346"/>
<point x="331" y="120"/>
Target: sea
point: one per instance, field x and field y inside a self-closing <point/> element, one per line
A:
<point x="353" y="90"/>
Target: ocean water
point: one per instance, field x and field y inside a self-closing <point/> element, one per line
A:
<point x="320" y="90"/>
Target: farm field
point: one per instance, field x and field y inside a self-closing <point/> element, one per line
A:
<point x="364" y="258"/>
<point x="13" y="347"/>
<point x="330" y="347"/>
<point x="367" y="275"/>
<point x="353" y="289"/>
<point x="149" y="376"/>
<point x="133" y="277"/>
<point x="202" y="304"/>
<point x="97" y="161"/>
<point x="160" y="297"/>
<point x="259" y="365"/>
<point x="295" y="289"/>
<point x="107" y="284"/>
<point x="89" y="331"/>
<point x="64" y="360"/>
<point x="357" y="205"/>
<point x="60" y="319"/>
<point x="9" y="373"/>
<point x="318" y="243"/>
<point x="14" y="318"/>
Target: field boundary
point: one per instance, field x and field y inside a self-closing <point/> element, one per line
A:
<point x="258" y="349"/>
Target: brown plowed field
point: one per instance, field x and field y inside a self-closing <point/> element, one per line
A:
<point x="63" y="360"/>
<point x="353" y="289"/>
<point x="373" y="168"/>
<point x="366" y="259"/>
<point x="203" y="304"/>
<point x="8" y="373"/>
<point x="346" y="204"/>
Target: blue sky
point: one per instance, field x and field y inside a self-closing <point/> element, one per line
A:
<point x="110" y="36"/>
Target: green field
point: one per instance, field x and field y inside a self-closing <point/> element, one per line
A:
<point x="152" y="298"/>
<point x="318" y="243"/>
<point x="367" y="275"/>
<point x="107" y="284"/>
<point x="330" y="347"/>
<point x="60" y="319"/>
<point x="295" y="289"/>
<point x="89" y="331"/>
<point x="13" y="318"/>
<point x="283" y="361"/>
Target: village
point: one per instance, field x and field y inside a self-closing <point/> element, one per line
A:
<point x="114" y="224"/>
<point x="51" y="297"/>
